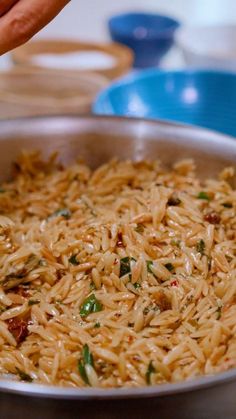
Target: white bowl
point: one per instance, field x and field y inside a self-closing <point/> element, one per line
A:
<point x="208" y="46"/>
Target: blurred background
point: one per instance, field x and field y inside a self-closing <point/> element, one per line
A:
<point x="87" y="21"/>
<point x="175" y="60"/>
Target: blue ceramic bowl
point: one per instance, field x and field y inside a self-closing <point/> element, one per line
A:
<point x="203" y="98"/>
<point x="150" y="36"/>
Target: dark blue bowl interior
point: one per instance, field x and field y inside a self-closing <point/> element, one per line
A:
<point x="149" y="35"/>
<point x="207" y="99"/>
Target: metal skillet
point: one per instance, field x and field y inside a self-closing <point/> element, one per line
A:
<point x="96" y="139"/>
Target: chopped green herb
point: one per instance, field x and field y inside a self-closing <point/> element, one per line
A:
<point x="33" y="302"/>
<point x="2" y="190"/>
<point x="87" y="356"/>
<point x="73" y="260"/>
<point x="82" y="372"/>
<point x="2" y="309"/>
<point x="157" y="308"/>
<point x="137" y="285"/>
<point x="87" y="359"/>
<point x="176" y="243"/>
<point x="150" y="370"/>
<point x="42" y="262"/>
<point x="92" y="286"/>
<point x="203" y="195"/>
<point x="62" y="212"/>
<point x="146" y="310"/>
<point x="149" y="266"/>
<point x="139" y="228"/>
<point x="151" y="307"/>
<point x="227" y="205"/>
<point x="200" y="247"/>
<point x="170" y="267"/>
<point x="23" y="376"/>
<point x="97" y="325"/>
<point x="59" y="302"/>
<point x="90" y="305"/>
<point x="125" y="265"/>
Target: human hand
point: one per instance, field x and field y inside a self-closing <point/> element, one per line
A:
<point x="21" y="19"/>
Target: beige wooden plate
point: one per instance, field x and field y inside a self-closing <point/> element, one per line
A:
<point x="118" y="58"/>
<point x="26" y="93"/>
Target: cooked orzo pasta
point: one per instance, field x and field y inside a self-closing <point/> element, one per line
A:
<point x="122" y="276"/>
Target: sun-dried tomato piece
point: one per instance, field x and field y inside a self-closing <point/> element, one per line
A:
<point x="19" y="328"/>
<point x="174" y="283"/>
<point x="23" y="291"/>
<point x="119" y="242"/>
<point x="212" y="217"/>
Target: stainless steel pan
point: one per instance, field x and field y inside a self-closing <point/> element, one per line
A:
<point x="97" y="139"/>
